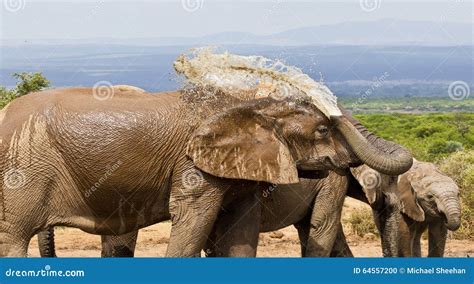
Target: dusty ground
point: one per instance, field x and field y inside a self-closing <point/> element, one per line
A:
<point x="153" y="240"/>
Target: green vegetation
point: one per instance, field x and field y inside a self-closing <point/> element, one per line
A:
<point x="361" y="222"/>
<point x="26" y="83"/>
<point x="430" y="137"/>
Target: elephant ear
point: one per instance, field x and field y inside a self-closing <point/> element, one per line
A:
<point x="409" y="203"/>
<point x="368" y="180"/>
<point x="241" y="143"/>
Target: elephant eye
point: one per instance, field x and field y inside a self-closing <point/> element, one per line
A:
<point x="322" y="130"/>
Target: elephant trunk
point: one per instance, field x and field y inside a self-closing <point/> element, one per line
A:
<point x="451" y="208"/>
<point x="379" y="154"/>
<point x="387" y="219"/>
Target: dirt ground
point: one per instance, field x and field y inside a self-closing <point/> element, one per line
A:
<point x="152" y="242"/>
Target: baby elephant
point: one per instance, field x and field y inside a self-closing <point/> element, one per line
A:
<point x="436" y="202"/>
<point x="427" y="198"/>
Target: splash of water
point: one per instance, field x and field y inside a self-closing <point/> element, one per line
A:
<point x="235" y="73"/>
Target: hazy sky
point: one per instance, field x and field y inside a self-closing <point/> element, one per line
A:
<point x="36" y="19"/>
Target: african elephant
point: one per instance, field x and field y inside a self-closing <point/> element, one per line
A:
<point x="436" y="198"/>
<point x="373" y="150"/>
<point x="428" y="200"/>
<point x="313" y="206"/>
<point x="114" y="166"/>
<point x="320" y="228"/>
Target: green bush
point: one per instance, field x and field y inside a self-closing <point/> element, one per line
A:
<point x="425" y="131"/>
<point x="445" y="147"/>
<point x="361" y="222"/>
<point x="430" y="137"/>
<point x="6" y="96"/>
<point x="460" y="167"/>
<point x="26" y="83"/>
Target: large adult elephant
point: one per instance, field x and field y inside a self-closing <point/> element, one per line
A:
<point x="313" y="206"/>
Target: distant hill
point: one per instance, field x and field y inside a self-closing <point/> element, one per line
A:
<point x="418" y="58"/>
<point x="383" y="32"/>
<point x="348" y="70"/>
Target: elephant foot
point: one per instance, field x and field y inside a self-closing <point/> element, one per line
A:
<point x="12" y="246"/>
<point x="119" y="246"/>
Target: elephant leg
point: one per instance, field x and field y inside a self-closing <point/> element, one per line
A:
<point x="237" y="229"/>
<point x="341" y="248"/>
<point x="303" y="228"/>
<point x="437" y="234"/>
<point x="417" y="232"/>
<point x="46" y="242"/>
<point x="211" y="249"/>
<point x="404" y="238"/>
<point x="195" y="202"/>
<point x="326" y="217"/>
<point x="119" y="246"/>
<point x="11" y="244"/>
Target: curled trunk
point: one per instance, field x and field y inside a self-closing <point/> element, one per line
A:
<point x="379" y="154"/>
<point x="452" y="210"/>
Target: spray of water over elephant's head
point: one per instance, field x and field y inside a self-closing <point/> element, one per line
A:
<point x="337" y="142"/>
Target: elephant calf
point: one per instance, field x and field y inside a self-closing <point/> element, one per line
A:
<point x="437" y="205"/>
<point x="428" y="200"/>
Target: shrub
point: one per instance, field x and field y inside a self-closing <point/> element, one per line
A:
<point x="27" y="83"/>
<point x="361" y="222"/>
<point x="424" y="131"/>
<point x="6" y="96"/>
<point x="445" y="147"/>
